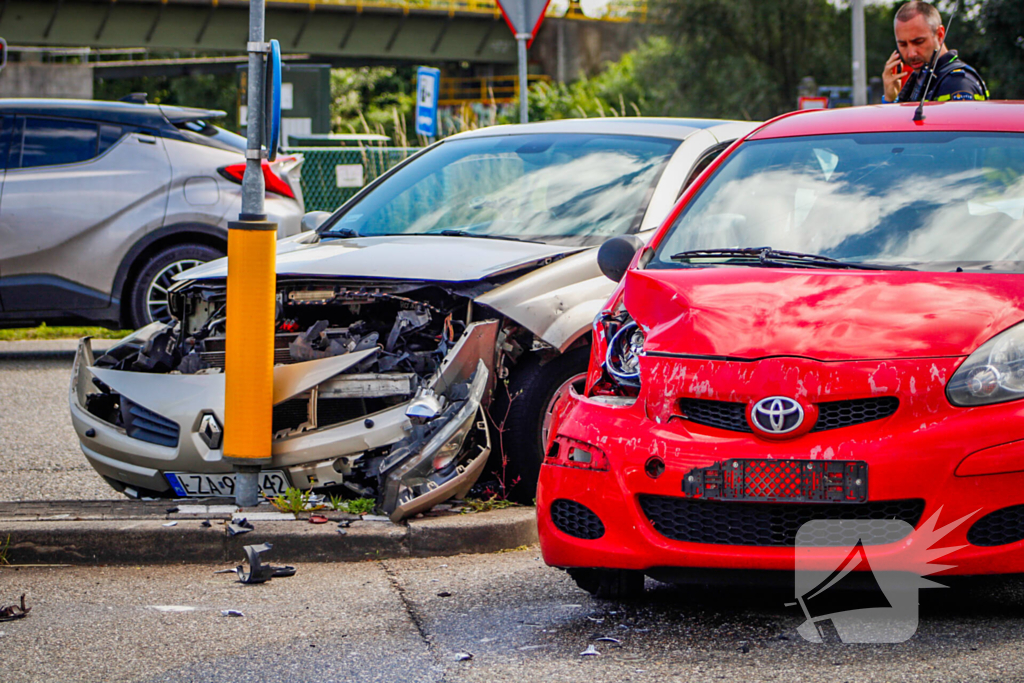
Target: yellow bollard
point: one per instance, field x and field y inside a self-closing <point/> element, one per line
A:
<point x="249" y="362"/>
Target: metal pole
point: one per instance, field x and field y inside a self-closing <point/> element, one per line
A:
<point x="860" y="83"/>
<point x="524" y="90"/>
<point x="249" y="353"/>
<point x="252" y="182"/>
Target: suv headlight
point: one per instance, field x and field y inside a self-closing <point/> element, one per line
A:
<point x="992" y="374"/>
<point x="623" y="358"/>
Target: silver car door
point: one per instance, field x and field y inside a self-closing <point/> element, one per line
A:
<point x="77" y="196"/>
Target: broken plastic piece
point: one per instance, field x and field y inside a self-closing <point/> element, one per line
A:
<point x="317" y="519"/>
<point x="462" y="656"/>
<point x="231" y="613"/>
<point x="239" y="526"/>
<point x="12" y="612"/>
<point x="609" y="639"/>
<point x="591" y="651"/>
<point x="258" y="572"/>
<point x="170" y="524"/>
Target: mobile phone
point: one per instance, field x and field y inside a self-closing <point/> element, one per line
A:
<point x="902" y="69"/>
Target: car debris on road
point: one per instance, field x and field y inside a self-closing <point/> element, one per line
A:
<point x="12" y="612"/>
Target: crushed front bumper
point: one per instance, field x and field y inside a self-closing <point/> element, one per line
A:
<point x="915" y="467"/>
<point x="171" y="411"/>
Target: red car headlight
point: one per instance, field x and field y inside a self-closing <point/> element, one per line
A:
<point x="992" y="374"/>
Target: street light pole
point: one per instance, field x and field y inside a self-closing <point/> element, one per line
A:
<point x="249" y="352"/>
<point x="860" y="83"/>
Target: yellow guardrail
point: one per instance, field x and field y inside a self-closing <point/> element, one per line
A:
<point x="489" y="90"/>
<point x="615" y="10"/>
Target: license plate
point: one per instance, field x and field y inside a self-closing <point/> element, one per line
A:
<point x="186" y="484"/>
<point x="792" y="481"/>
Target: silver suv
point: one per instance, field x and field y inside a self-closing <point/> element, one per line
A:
<point x="102" y="203"/>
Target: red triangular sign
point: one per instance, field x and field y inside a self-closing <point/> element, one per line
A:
<point x="524" y="16"/>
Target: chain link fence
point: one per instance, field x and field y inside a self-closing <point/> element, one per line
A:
<point x="332" y="175"/>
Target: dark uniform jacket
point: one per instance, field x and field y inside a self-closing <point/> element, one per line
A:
<point x="954" y="80"/>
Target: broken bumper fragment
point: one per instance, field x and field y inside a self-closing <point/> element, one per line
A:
<point x="136" y="428"/>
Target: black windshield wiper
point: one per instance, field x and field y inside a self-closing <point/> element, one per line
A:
<point x="766" y="256"/>
<point x="339" y="232"/>
<point x="466" y="233"/>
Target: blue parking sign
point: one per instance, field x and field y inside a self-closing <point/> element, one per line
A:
<point x="428" y="87"/>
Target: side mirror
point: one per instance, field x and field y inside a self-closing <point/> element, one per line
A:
<point x="615" y="255"/>
<point x="314" y="219"/>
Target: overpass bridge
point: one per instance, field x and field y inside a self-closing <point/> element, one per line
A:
<point x="340" y="31"/>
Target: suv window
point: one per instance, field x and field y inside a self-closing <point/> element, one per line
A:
<point x="50" y="142"/>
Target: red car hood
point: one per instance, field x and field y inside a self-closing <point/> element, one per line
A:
<point x="830" y="315"/>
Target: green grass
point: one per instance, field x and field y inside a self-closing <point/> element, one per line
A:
<point x="492" y="503"/>
<point x="46" y="332"/>
<point x="356" y="506"/>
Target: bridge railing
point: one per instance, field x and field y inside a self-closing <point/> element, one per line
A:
<point x="615" y="10"/>
<point x="455" y="92"/>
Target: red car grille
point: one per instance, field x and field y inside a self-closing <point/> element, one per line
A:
<point x="831" y="414"/>
<point x="775" y="524"/>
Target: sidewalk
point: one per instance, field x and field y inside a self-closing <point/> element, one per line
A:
<point x="48" y="348"/>
<point x="140" y="532"/>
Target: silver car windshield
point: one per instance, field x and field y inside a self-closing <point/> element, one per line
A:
<point x="928" y="201"/>
<point x="567" y="188"/>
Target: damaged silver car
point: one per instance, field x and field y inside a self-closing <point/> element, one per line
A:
<point x="429" y="325"/>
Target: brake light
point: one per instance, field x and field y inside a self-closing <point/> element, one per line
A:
<point x="273" y="182"/>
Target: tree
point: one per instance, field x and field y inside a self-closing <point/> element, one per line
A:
<point x="745" y="57"/>
<point x="1001" y="28"/>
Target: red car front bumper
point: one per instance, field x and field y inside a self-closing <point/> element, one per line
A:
<point x="913" y="455"/>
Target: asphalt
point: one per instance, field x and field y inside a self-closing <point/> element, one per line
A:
<point x="487" y="618"/>
<point x="54" y="508"/>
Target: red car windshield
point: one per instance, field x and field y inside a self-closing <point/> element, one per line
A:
<point x="928" y="201"/>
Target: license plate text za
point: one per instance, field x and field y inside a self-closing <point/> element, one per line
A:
<point x="186" y="484"/>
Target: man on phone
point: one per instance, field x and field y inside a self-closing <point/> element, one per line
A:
<point x="919" y="35"/>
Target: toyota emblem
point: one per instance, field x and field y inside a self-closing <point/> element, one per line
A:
<point x="777" y="415"/>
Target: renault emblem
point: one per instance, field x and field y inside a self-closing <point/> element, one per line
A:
<point x="777" y="415"/>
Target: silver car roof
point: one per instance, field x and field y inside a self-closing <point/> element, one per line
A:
<point x="678" y="129"/>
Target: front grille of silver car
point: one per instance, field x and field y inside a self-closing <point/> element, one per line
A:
<point x="145" y="425"/>
<point x="294" y="412"/>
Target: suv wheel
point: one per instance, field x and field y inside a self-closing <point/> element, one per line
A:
<point x="533" y="392"/>
<point x="148" y="297"/>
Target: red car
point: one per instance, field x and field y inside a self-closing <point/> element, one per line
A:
<point x="828" y="326"/>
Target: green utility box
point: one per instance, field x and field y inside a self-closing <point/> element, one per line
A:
<point x="305" y="100"/>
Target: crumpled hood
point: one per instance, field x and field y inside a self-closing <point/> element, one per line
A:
<point x="833" y="315"/>
<point x="413" y="257"/>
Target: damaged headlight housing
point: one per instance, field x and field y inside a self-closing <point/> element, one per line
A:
<point x="992" y="374"/>
<point x="622" y="361"/>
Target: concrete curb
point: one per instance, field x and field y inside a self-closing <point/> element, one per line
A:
<point x="42" y="349"/>
<point x="147" y="541"/>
